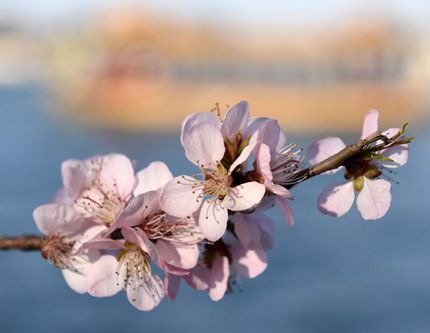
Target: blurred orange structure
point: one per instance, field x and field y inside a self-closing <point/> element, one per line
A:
<point x="134" y="71"/>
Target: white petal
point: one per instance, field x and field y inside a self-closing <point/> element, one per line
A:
<point x="147" y="295"/>
<point x="323" y="148"/>
<point x="180" y="197"/>
<point x="249" y="263"/>
<point x="213" y="219"/>
<point x="370" y="124"/>
<point x="152" y="178"/>
<point x="336" y="200"/>
<point x="102" y="280"/>
<point x="269" y="134"/>
<point x="399" y="155"/>
<point x="139" y="208"/>
<point x="117" y="174"/>
<point x="244" y="196"/>
<point x="199" y="118"/>
<point x="204" y="145"/>
<point x="219" y="277"/>
<point x="52" y="218"/>
<point x="183" y="257"/>
<point x="75" y="177"/>
<point x="75" y="281"/>
<point x="246" y="230"/>
<point x="235" y="120"/>
<point x="286" y="211"/>
<point x="374" y="199"/>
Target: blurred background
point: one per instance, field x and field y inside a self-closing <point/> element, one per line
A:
<point x="79" y="78"/>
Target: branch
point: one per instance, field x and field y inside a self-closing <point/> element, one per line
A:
<point x="23" y="243"/>
<point x="33" y="242"/>
<point x="335" y="161"/>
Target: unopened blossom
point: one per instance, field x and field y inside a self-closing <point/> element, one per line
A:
<point x="129" y="269"/>
<point x="365" y="174"/>
<point x="219" y="150"/>
<point x="99" y="187"/>
<point x="65" y="231"/>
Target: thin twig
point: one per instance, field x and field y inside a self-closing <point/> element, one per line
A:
<point x="23" y="243"/>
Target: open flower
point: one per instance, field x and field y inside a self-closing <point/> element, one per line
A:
<point x="65" y="231"/>
<point x="277" y="165"/>
<point x="364" y="174"/>
<point x="218" y="150"/>
<point x="130" y="269"/>
<point x="175" y="238"/>
<point x="99" y="187"/>
<point x="222" y="266"/>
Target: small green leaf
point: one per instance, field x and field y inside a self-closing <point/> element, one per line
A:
<point x="380" y="157"/>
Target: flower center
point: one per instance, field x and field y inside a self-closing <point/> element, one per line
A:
<point x="286" y="166"/>
<point x="134" y="265"/>
<point x="181" y="231"/>
<point x="101" y="202"/>
<point x="361" y="167"/>
<point x="57" y="250"/>
<point x="216" y="182"/>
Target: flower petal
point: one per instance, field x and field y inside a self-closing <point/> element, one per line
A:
<point x="249" y="263"/>
<point x="245" y="153"/>
<point x="139" y="208"/>
<point x="220" y="272"/>
<point x="374" y="199"/>
<point x="75" y="177"/>
<point x="323" y="148"/>
<point x="180" y="197"/>
<point x="53" y="218"/>
<point x="244" y="196"/>
<point x="246" y="230"/>
<point x="370" y="124"/>
<point x="118" y="174"/>
<point x="204" y="145"/>
<point x="199" y="118"/>
<point x="198" y="278"/>
<point x="336" y="200"/>
<point x="171" y="285"/>
<point x="213" y="219"/>
<point x="282" y="203"/>
<point x="269" y="134"/>
<point x="152" y="178"/>
<point x="76" y="281"/>
<point x="235" y="120"/>
<point x="184" y="257"/>
<point x="101" y="277"/>
<point x="147" y="295"/>
<point x="399" y="155"/>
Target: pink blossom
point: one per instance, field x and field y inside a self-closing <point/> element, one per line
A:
<point x="364" y="175"/>
<point x="223" y="265"/>
<point x="99" y="187"/>
<point x="130" y="269"/>
<point x="66" y="231"/>
<point x="278" y="165"/>
<point x="218" y="149"/>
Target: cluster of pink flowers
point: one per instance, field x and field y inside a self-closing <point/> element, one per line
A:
<point x="111" y="228"/>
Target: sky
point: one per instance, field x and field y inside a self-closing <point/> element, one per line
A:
<point x="251" y="13"/>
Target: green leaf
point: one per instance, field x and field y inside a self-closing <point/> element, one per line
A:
<point x="380" y="157"/>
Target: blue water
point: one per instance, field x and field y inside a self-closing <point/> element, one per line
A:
<point x="325" y="274"/>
